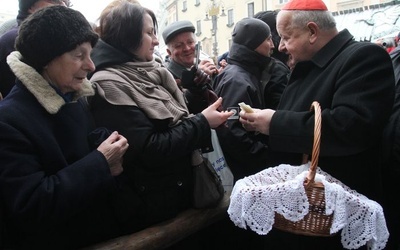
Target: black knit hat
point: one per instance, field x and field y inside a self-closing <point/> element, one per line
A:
<point x="50" y="32"/>
<point x="250" y="32"/>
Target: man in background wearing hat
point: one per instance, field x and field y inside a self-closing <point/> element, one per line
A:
<point x="7" y="40"/>
<point x="181" y="41"/>
<point x="354" y="84"/>
<point x="242" y="80"/>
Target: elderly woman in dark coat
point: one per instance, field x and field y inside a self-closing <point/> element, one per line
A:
<point x="55" y="187"/>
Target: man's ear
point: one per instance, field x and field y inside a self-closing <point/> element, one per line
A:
<point x="313" y="32"/>
<point x="169" y="52"/>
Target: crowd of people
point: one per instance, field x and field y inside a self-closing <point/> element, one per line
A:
<point x="98" y="133"/>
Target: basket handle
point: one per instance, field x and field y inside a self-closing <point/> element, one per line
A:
<point x="316" y="145"/>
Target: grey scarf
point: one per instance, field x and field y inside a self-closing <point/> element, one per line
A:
<point x="147" y="85"/>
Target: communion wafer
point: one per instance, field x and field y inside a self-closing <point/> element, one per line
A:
<point x="246" y="108"/>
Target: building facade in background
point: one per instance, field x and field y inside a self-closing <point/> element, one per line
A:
<point x="214" y="20"/>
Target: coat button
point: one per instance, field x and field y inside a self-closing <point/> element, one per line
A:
<point x="179" y="183"/>
<point x="142" y="188"/>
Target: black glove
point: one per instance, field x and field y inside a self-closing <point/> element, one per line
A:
<point x="195" y="80"/>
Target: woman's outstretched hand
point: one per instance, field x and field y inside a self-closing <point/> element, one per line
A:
<point x="215" y="117"/>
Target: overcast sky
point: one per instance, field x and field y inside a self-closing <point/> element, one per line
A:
<point x="90" y="8"/>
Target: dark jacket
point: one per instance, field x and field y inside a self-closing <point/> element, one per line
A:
<point x="244" y="80"/>
<point x="7" y="77"/>
<point x="391" y="160"/>
<point x="157" y="178"/>
<point x="198" y="95"/>
<point x="395" y="55"/>
<point x="55" y="188"/>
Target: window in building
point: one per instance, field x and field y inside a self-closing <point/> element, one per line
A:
<point x="230" y="18"/>
<point x="198" y="28"/>
<point x="184" y="6"/>
<point x="197" y="3"/>
<point x="250" y="10"/>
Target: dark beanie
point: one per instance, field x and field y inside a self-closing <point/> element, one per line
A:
<point x="24" y="6"/>
<point x="250" y="32"/>
<point x="50" y="32"/>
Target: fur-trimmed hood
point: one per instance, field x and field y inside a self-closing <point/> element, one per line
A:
<point x="40" y="88"/>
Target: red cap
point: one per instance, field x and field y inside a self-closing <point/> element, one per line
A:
<point x="305" y="5"/>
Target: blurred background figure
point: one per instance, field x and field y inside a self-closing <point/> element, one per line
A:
<point x="7" y="40"/>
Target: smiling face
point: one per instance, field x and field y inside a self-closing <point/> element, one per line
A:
<point x="67" y="72"/>
<point x="182" y="49"/>
<point x="149" y="40"/>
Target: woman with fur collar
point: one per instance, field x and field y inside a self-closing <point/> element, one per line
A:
<point x="55" y="186"/>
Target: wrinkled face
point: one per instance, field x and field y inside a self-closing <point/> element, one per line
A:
<point x="149" y="40"/>
<point x="182" y="49"/>
<point x="68" y="71"/>
<point x="266" y="48"/>
<point x="294" y="40"/>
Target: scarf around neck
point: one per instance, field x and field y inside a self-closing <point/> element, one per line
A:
<point x="146" y="85"/>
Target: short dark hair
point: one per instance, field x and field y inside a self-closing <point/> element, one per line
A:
<point x="122" y="27"/>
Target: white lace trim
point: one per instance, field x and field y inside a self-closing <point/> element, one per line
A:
<point x="256" y="198"/>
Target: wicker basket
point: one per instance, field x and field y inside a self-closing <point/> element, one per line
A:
<point x="315" y="223"/>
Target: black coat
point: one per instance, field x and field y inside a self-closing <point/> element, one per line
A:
<point x="56" y="190"/>
<point x="241" y="81"/>
<point x="157" y="178"/>
<point x="7" y="77"/>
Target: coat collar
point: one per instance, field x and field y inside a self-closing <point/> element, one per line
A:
<point x="332" y="48"/>
<point x="40" y="88"/>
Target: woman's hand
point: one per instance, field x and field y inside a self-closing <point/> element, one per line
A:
<point x="215" y="117"/>
<point x="113" y="149"/>
<point x="258" y="121"/>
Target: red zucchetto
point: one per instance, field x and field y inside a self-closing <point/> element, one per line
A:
<point x="305" y="5"/>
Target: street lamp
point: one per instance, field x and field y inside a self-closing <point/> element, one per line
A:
<point x="213" y="11"/>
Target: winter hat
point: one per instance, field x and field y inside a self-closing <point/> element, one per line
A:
<point x="24" y="6"/>
<point x="50" y="32"/>
<point x="176" y="28"/>
<point x="305" y="5"/>
<point x="250" y="32"/>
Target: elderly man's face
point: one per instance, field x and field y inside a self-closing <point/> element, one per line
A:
<point x="294" y="40"/>
<point x="182" y="49"/>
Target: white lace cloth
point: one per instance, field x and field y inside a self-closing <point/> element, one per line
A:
<point x="256" y="198"/>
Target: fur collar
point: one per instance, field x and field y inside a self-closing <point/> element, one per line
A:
<point x="39" y="87"/>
